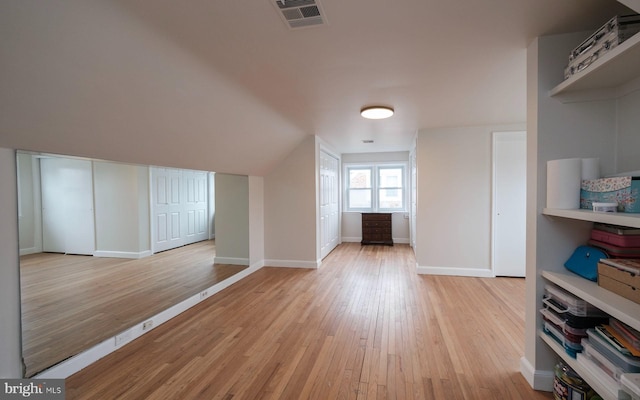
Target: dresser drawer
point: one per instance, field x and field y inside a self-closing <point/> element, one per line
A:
<point x="376" y="224"/>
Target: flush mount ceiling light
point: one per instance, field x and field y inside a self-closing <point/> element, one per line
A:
<point x="376" y="112"/>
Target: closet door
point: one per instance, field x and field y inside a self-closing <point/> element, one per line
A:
<point x="329" y="203"/>
<point x="68" y="221"/>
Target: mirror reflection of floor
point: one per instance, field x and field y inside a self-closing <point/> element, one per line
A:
<point x="71" y="303"/>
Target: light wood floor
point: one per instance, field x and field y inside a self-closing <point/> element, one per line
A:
<point x="70" y="303"/>
<point x="363" y="326"/>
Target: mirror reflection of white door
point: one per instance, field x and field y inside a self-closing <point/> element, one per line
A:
<point x="196" y="206"/>
<point x="180" y="207"/>
<point x="167" y="205"/>
<point x="68" y="220"/>
<point x="509" y="204"/>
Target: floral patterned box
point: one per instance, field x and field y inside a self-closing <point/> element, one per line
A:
<point x="623" y="190"/>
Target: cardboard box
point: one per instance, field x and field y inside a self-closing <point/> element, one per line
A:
<point x="620" y="276"/>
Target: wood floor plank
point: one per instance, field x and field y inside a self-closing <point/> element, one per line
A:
<point x="70" y="303"/>
<point x="363" y="326"/>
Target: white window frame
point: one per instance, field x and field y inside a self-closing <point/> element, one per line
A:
<point x="347" y="180"/>
<point x="375" y="185"/>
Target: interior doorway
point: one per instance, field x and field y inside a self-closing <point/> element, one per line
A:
<point x="509" y="204"/>
<point x="67" y="206"/>
<point x="329" y="203"/>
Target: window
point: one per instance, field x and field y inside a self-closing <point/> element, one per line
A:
<point x="360" y="186"/>
<point x="390" y="192"/>
<point x="378" y="187"/>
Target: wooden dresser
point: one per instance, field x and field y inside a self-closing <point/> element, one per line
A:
<point x="376" y="228"/>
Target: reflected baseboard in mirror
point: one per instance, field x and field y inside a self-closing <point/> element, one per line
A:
<point x="70" y="303"/>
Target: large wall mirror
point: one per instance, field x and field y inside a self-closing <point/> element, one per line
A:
<point x="107" y="245"/>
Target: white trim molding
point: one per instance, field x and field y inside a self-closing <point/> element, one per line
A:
<point x="293" y="264"/>
<point x="230" y="260"/>
<point x="538" y="380"/>
<point x="354" y="239"/>
<point x="122" y="254"/>
<point x="472" y="272"/>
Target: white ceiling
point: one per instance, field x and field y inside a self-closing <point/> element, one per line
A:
<point x="227" y="86"/>
<point x="438" y="63"/>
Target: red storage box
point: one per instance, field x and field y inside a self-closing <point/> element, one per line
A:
<point x="616" y="251"/>
<point x="615" y="239"/>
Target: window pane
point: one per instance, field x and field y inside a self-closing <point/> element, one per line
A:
<point x="359" y="178"/>
<point x="390" y="199"/>
<point x="391" y="177"/>
<point x="359" y="198"/>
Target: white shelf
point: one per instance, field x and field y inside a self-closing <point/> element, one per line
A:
<point x="631" y="220"/>
<point x="616" y="68"/>
<point x="617" y="306"/>
<point x="603" y="390"/>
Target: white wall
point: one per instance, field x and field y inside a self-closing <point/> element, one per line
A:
<point x="290" y="201"/>
<point x="10" y="328"/>
<point x="453" y="222"/>
<point x="352" y="221"/>
<point x="232" y="219"/>
<point x="121" y="196"/>
<point x="628" y="146"/>
<point x="30" y="214"/>
<point x="256" y="221"/>
<point x="211" y="180"/>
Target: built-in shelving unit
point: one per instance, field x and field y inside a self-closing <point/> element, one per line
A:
<point x="578" y="117"/>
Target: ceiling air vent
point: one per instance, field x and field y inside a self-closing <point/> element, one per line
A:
<point x="300" y="13"/>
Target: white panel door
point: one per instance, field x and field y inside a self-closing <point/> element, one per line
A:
<point x="195" y="206"/>
<point x="329" y="204"/>
<point x="68" y="220"/>
<point x="509" y="203"/>
<point x="166" y="197"/>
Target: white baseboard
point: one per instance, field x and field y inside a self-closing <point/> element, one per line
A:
<point x="76" y="363"/>
<point x="474" y="272"/>
<point x="122" y="254"/>
<point x="293" y="264"/>
<point x="230" y="260"/>
<point x="30" y="250"/>
<point x="538" y="380"/>
<point x="353" y="239"/>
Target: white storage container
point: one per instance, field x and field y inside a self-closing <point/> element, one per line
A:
<point x="631" y="385"/>
<point x="605" y="207"/>
<point x="626" y="363"/>
<point x="601" y="361"/>
<point x="570" y="302"/>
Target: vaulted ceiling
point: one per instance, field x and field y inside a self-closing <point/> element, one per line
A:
<point x="228" y="86"/>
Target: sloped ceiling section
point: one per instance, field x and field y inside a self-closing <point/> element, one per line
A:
<point x="86" y="79"/>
